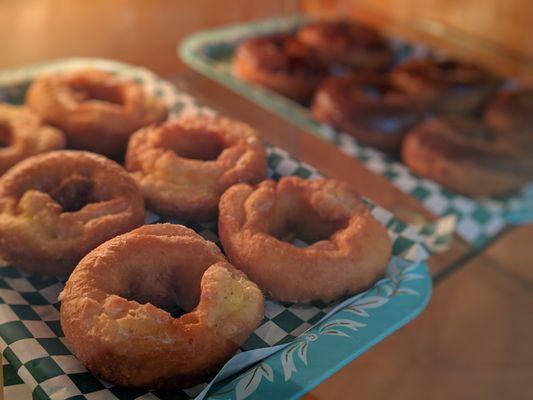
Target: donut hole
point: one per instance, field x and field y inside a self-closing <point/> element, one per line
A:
<point x="94" y="92"/>
<point x="305" y="227"/>
<point x="74" y="193"/>
<point x="195" y="145"/>
<point x="5" y="134"/>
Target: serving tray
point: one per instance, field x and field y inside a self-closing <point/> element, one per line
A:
<point x="478" y="219"/>
<point x="294" y="349"/>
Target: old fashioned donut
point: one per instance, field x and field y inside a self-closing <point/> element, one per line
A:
<point x="348" y="250"/>
<point x="183" y="166"/>
<point x="448" y="86"/>
<point x="23" y="134"/>
<point x="369" y="107"/>
<point x="56" y="207"/>
<point x="97" y="110"/>
<point x="467" y="156"/>
<point x="512" y="112"/>
<point x="280" y="63"/>
<point x="111" y="317"/>
<point x="347" y="43"/>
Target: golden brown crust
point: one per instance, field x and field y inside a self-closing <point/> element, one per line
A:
<point x="23" y="134"/>
<point x="280" y="63"/>
<point x="448" y="87"/>
<point x="351" y="249"/>
<point x="367" y="106"/>
<point x="110" y="314"/>
<point x="465" y="155"/>
<point x="97" y="110"/>
<point x="183" y="166"/>
<point x="346" y="43"/>
<point x="56" y="207"/>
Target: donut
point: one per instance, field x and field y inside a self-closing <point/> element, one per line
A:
<point x="112" y="317"/>
<point x="23" y="134"/>
<point x="369" y="107"/>
<point x="97" y="110"/>
<point x="346" y="43"/>
<point x="512" y="112"/>
<point x="348" y="249"/>
<point x="280" y="63"/>
<point x="447" y="87"/>
<point x="465" y="155"/>
<point x="56" y="207"/>
<point x="183" y="166"/>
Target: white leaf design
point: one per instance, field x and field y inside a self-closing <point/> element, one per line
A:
<point x="334" y="332"/>
<point x="287" y="361"/>
<point x="387" y="289"/>
<point x="327" y="329"/>
<point x="359" y="306"/>
<point x="302" y="352"/>
<point x="408" y="291"/>
<point x="251" y="380"/>
<point x="411" y="277"/>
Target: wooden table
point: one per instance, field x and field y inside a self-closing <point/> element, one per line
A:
<point x="473" y="341"/>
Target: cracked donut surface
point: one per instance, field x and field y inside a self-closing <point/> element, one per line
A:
<point x="23" y="134"/>
<point x="97" y="110"/>
<point x="348" y="249"/>
<point x="56" y="207"/>
<point x="183" y="166"/>
<point x="112" y="317"/>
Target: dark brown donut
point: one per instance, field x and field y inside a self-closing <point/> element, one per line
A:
<point x="367" y="106"/>
<point x="465" y="155"/>
<point x="346" y="43"/>
<point x="448" y="87"/>
<point x="280" y="63"/>
<point x="512" y="112"/>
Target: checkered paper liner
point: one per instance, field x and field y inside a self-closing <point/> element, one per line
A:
<point x="30" y="331"/>
<point x="478" y="219"/>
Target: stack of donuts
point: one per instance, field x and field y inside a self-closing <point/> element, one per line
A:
<point x="69" y="208"/>
<point x="447" y="120"/>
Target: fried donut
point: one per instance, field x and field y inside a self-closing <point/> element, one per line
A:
<point x="56" y="207"/>
<point x="448" y="87"/>
<point x="23" y="134"/>
<point x="369" y="107"/>
<point x="97" y="110"/>
<point x="183" y="166"/>
<point x="348" y="249"/>
<point x="512" y="113"/>
<point x="467" y="156"/>
<point x="111" y="317"/>
<point x="347" y="43"/>
<point x="280" y="63"/>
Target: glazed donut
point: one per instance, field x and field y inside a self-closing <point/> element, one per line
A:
<point x="465" y="155"/>
<point x="447" y="87"/>
<point x="183" y="166"/>
<point x="111" y="317"/>
<point x="22" y="134"/>
<point x="346" y="43"/>
<point x="97" y="110"/>
<point x="280" y="63"/>
<point x="512" y="113"/>
<point x="369" y="107"/>
<point x="56" y="207"/>
<point x="348" y="250"/>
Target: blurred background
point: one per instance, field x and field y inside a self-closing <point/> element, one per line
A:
<point x="474" y="340"/>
